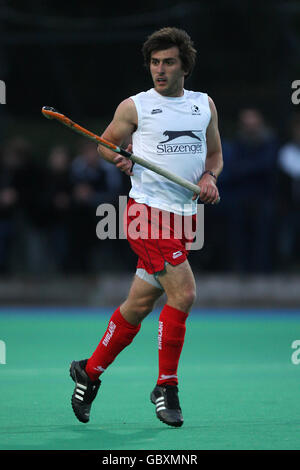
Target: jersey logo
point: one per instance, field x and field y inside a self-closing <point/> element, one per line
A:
<point x="181" y="142"/>
<point x="156" y="111"/>
<point x="175" y="134"/>
<point x="176" y="254"/>
<point x="195" y="109"/>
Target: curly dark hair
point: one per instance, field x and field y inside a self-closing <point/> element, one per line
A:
<point x="169" y="37"/>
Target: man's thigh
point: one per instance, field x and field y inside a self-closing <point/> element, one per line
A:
<point x="177" y="279"/>
<point x="140" y="300"/>
<point x="141" y="290"/>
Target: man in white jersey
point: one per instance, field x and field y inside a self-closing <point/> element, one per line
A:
<point x="178" y="130"/>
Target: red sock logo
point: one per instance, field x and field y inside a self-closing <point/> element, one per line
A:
<point x="118" y="335"/>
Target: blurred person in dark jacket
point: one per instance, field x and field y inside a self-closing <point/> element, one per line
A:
<point x="289" y="195"/>
<point x="19" y="180"/>
<point x="251" y="170"/>
<point x="57" y="194"/>
<point x="94" y="182"/>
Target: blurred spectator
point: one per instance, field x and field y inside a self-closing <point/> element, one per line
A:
<point x="18" y="182"/>
<point x="289" y="196"/>
<point x="214" y="255"/>
<point x="217" y="217"/>
<point x="251" y="177"/>
<point x="94" y="181"/>
<point x="56" y="204"/>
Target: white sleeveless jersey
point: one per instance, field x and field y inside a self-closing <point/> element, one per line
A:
<point x="171" y="132"/>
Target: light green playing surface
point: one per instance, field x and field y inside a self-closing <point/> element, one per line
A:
<point x="238" y="386"/>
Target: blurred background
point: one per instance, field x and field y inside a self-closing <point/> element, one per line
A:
<point x="84" y="58"/>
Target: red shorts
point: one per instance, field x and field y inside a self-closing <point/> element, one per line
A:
<point x="157" y="236"/>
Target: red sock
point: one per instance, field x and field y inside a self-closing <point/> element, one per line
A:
<point x="171" y="332"/>
<point x="118" y="335"/>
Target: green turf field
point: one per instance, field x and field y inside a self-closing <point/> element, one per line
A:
<point x="238" y="386"/>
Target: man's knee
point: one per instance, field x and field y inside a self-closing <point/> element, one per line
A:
<point x="143" y="309"/>
<point x="137" y="310"/>
<point x="182" y="299"/>
<point x="190" y="296"/>
<point x="185" y="299"/>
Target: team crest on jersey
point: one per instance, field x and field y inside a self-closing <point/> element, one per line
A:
<point x="195" y="109"/>
<point x="181" y="141"/>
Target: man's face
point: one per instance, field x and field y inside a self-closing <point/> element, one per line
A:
<point x="167" y="72"/>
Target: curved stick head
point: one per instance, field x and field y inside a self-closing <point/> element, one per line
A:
<point x="48" y="112"/>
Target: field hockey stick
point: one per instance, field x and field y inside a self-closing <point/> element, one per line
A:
<point x="52" y="113"/>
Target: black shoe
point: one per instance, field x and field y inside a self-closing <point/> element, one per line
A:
<point x="85" y="390"/>
<point x="165" y="398"/>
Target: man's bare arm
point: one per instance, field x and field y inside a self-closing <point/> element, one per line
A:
<point x="124" y="123"/>
<point x="214" y="159"/>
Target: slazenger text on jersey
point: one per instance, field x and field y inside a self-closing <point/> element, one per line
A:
<point x="179" y="148"/>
